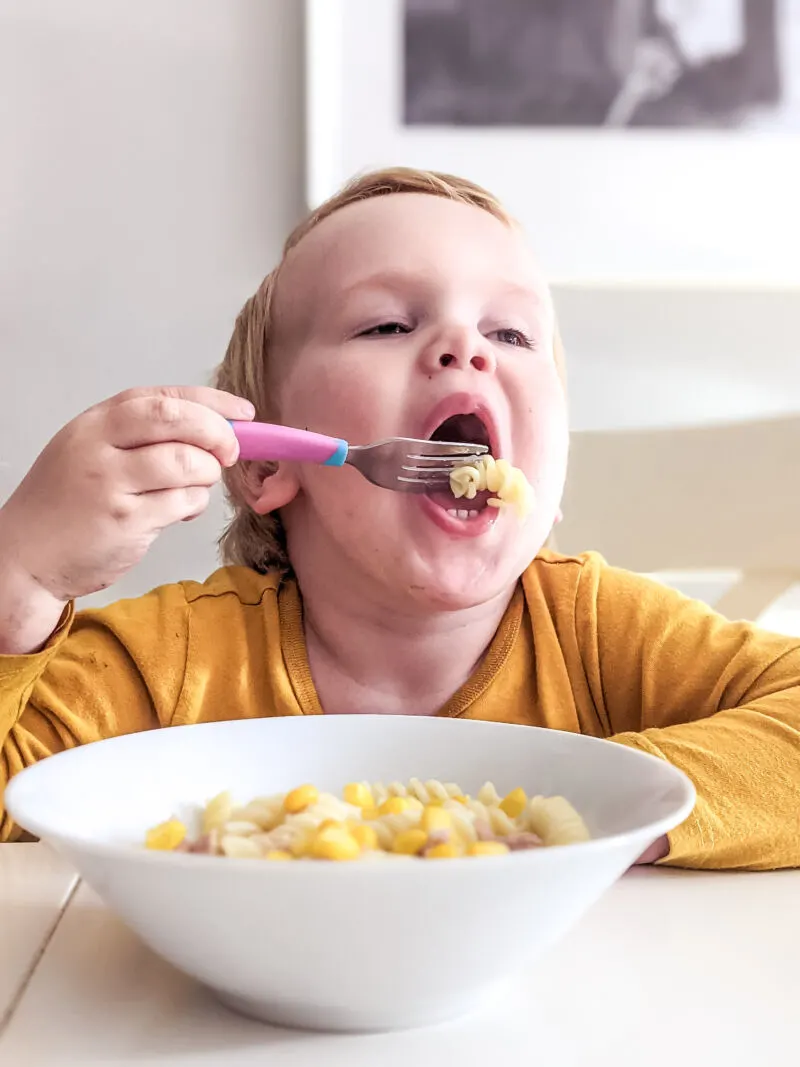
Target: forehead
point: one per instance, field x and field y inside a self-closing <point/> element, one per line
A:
<point x="412" y="233"/>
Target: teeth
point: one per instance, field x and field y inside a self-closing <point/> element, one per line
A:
<point x="462" y="513"/>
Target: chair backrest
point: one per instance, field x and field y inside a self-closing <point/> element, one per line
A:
<point x="683" y="499"/>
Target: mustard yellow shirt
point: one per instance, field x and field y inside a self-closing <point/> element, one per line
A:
<point x="582" y="647"/>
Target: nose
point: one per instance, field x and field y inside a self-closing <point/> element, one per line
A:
<point x="459" y="349"/>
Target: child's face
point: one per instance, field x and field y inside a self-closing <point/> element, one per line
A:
<point x="393" y="315"/>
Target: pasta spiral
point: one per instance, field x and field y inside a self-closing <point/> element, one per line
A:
<point x="508" y="484"/>
<point x="425" y="792"/>
<point x="555" y="821"/>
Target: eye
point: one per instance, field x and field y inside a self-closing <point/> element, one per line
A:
<point x="386" y="329"/>
<point x="516" y="338"/>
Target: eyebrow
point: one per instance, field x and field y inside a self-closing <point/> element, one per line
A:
<point x="392" y="280"/>
<point x="385" y="279"/>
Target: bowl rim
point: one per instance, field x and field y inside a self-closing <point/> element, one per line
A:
<point x="125" y="852"/>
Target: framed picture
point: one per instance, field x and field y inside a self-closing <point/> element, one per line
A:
<point x="638" y="141"/>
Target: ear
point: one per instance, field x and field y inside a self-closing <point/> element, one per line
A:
<point x="559" y="517"/>
<point x="269" y="486"/>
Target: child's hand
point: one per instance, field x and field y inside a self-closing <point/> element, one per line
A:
<point x="110" y="481"/>
<point x="657" y="851"/>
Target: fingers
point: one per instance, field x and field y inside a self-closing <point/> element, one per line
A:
<point x="167" y="465"/>
<point x="657" y="851"/>
<point x="225" y="404"/>
<point x="148" y="419"/>
<point x="164" y="507"/>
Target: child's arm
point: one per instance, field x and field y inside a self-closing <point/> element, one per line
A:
<point x="720" y="700"/>
<point x="101" y="674"/>
<point x="100" y="493"/>
<point x="95" y="499"/>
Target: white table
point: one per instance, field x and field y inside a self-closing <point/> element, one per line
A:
<point x="35" y="888"/>
<point x="670" y="968"/>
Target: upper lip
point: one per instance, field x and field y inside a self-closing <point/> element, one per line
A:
<point x="464" y="404"/>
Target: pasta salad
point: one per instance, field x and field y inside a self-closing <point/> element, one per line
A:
<point x="375" y="821"/>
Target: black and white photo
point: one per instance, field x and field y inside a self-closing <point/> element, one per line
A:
<point x="639" y="141"/>
<point x="713" y="64"/>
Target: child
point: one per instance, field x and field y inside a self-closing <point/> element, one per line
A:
<point x="405" y="301"/>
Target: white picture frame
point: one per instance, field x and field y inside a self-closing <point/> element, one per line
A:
<point x="602" y="207"/>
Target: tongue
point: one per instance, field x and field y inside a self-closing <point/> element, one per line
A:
<point x="445" y="499"/>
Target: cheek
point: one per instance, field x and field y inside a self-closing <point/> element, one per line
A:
<point x="329" y="394"/>
<point x="544" y="441"/>
<point x="350" y="511"/>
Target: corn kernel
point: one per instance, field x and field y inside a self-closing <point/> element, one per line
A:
<point x="333" y="844"/>
<point x="278" y="854"/>
<point x="166" y="836"/>
<point x="299" y="799"/>
<point x="459" y="798"/>
<point x="370" y="814"/>
<point x="435" y="818"/>
<point x="359" y="795"/>
<point x="410" y="842"/>
<point x="442" y="852"/>
<point x="514" y="804"/>
<point x="396" y="805"/>
<point x="365" y="836"/>
<point x="488" y="848"/>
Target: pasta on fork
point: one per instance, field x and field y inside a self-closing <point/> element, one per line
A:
<point x="508" y="484"/>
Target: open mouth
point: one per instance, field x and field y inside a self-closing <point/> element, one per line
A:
<point x="462" y="429"/>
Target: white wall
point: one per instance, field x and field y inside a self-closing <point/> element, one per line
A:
<point x="150" y="166"/>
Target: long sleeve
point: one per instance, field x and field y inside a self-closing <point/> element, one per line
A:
<point x="719" y="700"/>
<point x="103" y="673"/>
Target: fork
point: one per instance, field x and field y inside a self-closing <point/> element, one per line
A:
<point x="403" y="464"/>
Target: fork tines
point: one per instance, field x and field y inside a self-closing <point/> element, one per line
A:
<point x="449" y="453"/>
<point x="421" y="469"/>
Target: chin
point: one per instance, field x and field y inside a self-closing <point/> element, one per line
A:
<point x="456" y="581"/>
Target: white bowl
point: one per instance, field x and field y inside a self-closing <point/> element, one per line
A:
<point x="346" y="946"/>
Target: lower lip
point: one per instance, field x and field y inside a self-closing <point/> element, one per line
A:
<point x="484" y="520"/>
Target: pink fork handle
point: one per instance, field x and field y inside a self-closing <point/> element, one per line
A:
<point x="265" y="441"/>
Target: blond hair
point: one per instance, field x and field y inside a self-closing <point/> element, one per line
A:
<point x="259" y="541"/>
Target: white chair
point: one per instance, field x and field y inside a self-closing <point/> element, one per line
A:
<point x="715" y="497"/>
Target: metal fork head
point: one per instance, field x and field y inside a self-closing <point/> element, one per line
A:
<point x="429" y="467"/>
<point x="405" y="464"/>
